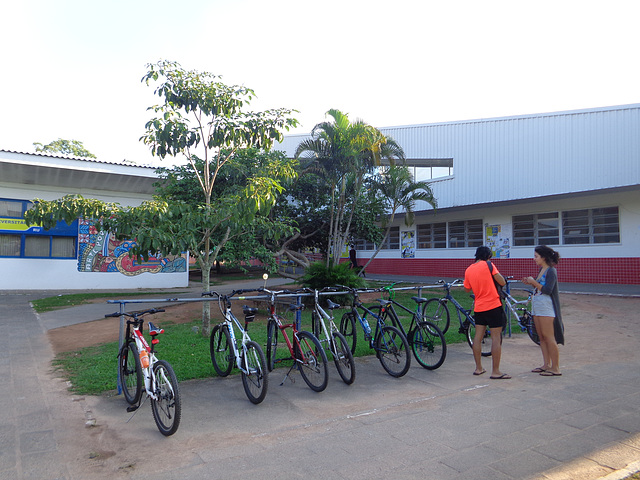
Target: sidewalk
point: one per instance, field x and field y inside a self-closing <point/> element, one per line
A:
<point x="443" y="424"/>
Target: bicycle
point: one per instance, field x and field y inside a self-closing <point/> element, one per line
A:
<point x="390" y="344"/>
<point x="436" y="311"/>
<point x="513" y="306"/>
<point x="331" y="338"/>
<point x="425" y="338"/>
<point x="225" y="348"/>
<point x="138" y="366"/>
<point x="303" y="347"/>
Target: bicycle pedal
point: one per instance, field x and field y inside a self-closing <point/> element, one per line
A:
<point x="132" y="408"/>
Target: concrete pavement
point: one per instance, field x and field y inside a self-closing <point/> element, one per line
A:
<point x="445" y="424"/>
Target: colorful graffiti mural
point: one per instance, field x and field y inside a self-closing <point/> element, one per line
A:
<point x="99" y="251"/>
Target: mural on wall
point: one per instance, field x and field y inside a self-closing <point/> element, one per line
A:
<point x="408" y="244"/>
<point x="99" y="251"/>
<point x="497" y="239"/>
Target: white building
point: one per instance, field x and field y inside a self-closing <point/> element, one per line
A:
<point x="570" y="180"/>
<point x="78" y="256"/>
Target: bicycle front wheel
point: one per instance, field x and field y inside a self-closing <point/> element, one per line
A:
<point x="130" y="372"/>
<point x="312" y="361"/>
<point x="272" y="344"/>
<point x="392" y="349"/>
<point x="343" y="358"/>
<point x="167" y="409"/>
<point x="486" y="339"/>
<point x="254" y="380"/>
<point x="436" y="311"/>
<point x="348" y="330"/>
<point x="428" y="345"/>
<point x="222" y="355"/>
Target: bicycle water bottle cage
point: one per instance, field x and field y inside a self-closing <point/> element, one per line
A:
<point x="153" y="330"/>
<point x="296" y="306"/>
<point x="332" y="305"/>
<point x="249" y="313"/>
<point x="419" y="300"/>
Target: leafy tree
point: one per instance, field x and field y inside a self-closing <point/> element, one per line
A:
<point x="344" y="154"/>
<point x="65" y="147"/>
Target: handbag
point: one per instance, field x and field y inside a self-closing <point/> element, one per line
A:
<point x="501" y="293"/>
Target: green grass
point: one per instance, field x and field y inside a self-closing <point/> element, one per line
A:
<point x="93" y="370"/>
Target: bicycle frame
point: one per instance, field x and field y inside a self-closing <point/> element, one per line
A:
<point x="284" y="326"/>
<point x="147" y="373"/>
<point x="459" y="308"/>
<point x="230" y="321"/>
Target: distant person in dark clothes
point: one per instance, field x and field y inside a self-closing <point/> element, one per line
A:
<point x="352" y="257"/>
<point x="545" y="307"/>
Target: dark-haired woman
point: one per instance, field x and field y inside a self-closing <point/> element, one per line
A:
<point x="545" y="306"/>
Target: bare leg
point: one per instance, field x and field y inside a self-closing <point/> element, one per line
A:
<point x="496" y="350"/>
<point x="546" y="362"/>
<point x="477" y="348"/>
<point x="548" y="339"/>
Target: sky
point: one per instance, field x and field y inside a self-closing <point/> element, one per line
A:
<point x="71" y="69"/>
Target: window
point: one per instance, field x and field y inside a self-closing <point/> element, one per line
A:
<point x="588" y="226"/>
<point x="10" y="245"/>
<point x="393" y="240"/>
<point x="537" y="229"/>
<point x="11" y="209"/>
<point x="466" y="233"/>
<point x="432" y="235"/>
<point x="364" y="245"/>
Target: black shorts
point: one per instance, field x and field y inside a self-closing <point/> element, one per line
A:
<point x="491" y="318"/>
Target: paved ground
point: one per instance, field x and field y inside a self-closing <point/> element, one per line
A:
<point x="445" y="424"/>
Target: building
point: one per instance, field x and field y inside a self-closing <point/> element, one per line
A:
<point x="77" y="256"/>
<point x="570" y="180"/>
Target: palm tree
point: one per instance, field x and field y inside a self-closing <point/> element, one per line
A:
<point x="397" y="190"/>
<point x="344" y="153"/>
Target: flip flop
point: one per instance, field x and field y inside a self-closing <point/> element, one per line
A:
<point x="504" y="376"/>
<point x="479" y="373"/>
<point x="548" y="373"/>
<point x="538" y="370"/>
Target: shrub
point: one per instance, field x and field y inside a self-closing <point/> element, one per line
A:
<point x="318" y="276"/>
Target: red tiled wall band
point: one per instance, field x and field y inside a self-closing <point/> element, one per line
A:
<point x="571" y="270"/>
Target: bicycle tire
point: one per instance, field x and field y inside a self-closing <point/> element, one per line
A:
<point x="256" y="380"/>
<point x="272" y="344"/>
<point x="130" y="372"/>
<point x="343" y="358"/>
<point x="222" y="356"/>
<point x="167" y="410"/>
<point x="486" y="340"/>
<point x="313" y="368"/>
<point x="428" y="345"/>
<point x="527" y="319"/>
<point x="348" y="330"/>
<point x="316" y="329"/>
<point x="436" y="311"/>
<point x="392" y="349"/>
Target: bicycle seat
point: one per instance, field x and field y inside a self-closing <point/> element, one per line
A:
<point x="419" y="300"/>
<point x="247" y="310"/>
<point x="332" y="305"/>
<point x="384" y="302"/>
<point x="296" y="306"/>
<point x="153" y="330"/>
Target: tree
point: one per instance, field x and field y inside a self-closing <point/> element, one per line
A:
<point x="397" y="190"/>
<point x="344" y="154"/>
<point x="201" y="119"/>
<point x="65" y="147"/>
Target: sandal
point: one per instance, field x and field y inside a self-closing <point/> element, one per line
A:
<point x="538" y="370"/>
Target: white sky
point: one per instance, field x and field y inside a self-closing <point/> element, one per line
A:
<point x="71" y="68"/>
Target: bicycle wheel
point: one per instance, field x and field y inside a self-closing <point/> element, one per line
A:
<point x="348" y="330"/>
<point x="167" y="408"/>
<point x="486" y="340"/>
<point x="255" y="380"/>
<point x="130" y="372"/>
<point x="436" y="311"/>
<point x="428" y="345"/>
<point x="527" y="320"/>
<point x="222" y="355"/>
<point x="272" y="344"/>
<point x="312" y="361"/>
<point x="392" y="349"/>
<point x="343" y="358"/>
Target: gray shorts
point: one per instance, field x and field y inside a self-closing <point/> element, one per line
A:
<point x="542" y="306"/>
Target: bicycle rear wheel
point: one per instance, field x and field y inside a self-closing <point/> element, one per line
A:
<point x="527" y="320"/>
<point x="392" y="349"/>
<point x="130" y="372"/>
<point x="348" y="330"/>
<point x="272" y="344"/>
<point x="222" y="355"/>
<point x="255" y="380"/>
<point x="343" y="358"/>
<point x="312" y="361"/>
<point x="486" y="340"/>
<point x="436" y="311"/>
<point x="167" y="409"/>
<point x="428" y="345"/>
